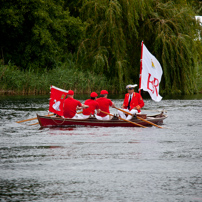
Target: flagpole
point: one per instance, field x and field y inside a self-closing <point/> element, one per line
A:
<point x="141" y="68"/>
<point x="50" y="99"/>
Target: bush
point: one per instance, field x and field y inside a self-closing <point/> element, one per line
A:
<point x="16" y="81"/>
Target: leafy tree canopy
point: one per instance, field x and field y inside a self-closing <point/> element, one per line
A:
<point x="37" y="32"/>
<point x="105" y="35"/>
<point x="115" y="29"/>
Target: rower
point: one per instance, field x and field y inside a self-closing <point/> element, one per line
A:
<point x="104" y="104"/>
<point x="93" y="105"/>
<point x="133" y="102"/>
<point x="71" y="105"/>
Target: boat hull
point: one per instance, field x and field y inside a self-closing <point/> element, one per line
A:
<point x="45" y="121"/>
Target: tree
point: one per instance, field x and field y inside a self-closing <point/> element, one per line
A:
<point x="115" y="29"/>
<point x="197" y="6"/>
<point x="175" y="46"/>
<point x="37" y="33"/>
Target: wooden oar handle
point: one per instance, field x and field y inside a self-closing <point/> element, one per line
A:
<point x="32" y="119"/>
<point x="137" y="124"/>
<point x="34" y="124"/>
<point x="123" y="111"/>
<point x="139" y="118"/>
<point x="26" y="120"/>
<point x="106" y="113"/>
<point x="149" y="122"/>
<point x="124" y="120"/>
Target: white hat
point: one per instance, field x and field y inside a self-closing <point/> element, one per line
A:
<point x="131" y="86"/>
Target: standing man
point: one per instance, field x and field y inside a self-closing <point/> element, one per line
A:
<point x="104" y="104"/>
<point x="133" y="102"/>
<point x="71" y="105"/>
<point x="93" y="105"/>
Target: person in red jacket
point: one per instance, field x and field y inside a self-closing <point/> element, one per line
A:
<point x="93" y="105"/>
<point x="104" y="104"/>
<point x="71" y="105"/>
<point x="133" y="102"/>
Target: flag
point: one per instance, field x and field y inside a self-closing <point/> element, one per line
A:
<point x="57" y="97"/>
<point x="150" y="74"/>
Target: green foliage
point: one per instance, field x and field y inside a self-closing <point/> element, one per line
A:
<point x="196" y="5"/>
<point x="65" y="75"/>
<point x="108" y="29"/>
<point x="103" y="37"/>
<point x="175" y="47"/>
<point x="199" y="77"/>
<point x="115" y="29"/>
<point x="37" y="33"/>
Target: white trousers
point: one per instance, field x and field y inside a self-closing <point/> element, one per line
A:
<point x="77" y="116"/>
<point x="123" y="115"/>
<point x="102" y="118"/>
<point x="85" y="116"/>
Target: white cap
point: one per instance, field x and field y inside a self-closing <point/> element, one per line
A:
<point x="131" y="86"/>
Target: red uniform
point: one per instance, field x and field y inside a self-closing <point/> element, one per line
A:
<point x="69" y="109"/>
<point x="92" y="106"/>
<point x="104" y="104"/>
<point x="136" y="101"/>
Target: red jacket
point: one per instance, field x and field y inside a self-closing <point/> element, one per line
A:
<point x="92" y="106"/>
<point x="104" y="104"/>
<point x="136" y="101"/>
<point x="69" y="108"/>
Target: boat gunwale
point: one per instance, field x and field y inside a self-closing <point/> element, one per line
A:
<point x="93" y="120"/>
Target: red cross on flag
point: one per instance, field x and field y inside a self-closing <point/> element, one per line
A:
<point x="57" y="97"/>
<point x="150" y="74"/>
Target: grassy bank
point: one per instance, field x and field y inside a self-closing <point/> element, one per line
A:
<point x="15" y="81"/>
<point x="199" y="78"/>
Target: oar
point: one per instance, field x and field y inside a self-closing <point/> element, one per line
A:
<point x="139" y="118"/>
<point x="124" y="120"/>
<point x="32" y="119"/>
<point x="33" y="124"/>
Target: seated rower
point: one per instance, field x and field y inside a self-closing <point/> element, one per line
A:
<point x="71" y="105"/>
<point x="133" y="102"/>
<point x="104" y="104"/>
<point x="93" y="105"/>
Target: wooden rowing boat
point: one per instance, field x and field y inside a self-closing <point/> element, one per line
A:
<point x="45" y="121"/>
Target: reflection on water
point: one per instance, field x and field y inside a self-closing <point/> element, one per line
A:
<point x="97" y="163"/>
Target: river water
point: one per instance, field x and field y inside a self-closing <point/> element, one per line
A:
<point x="101" y="164"/>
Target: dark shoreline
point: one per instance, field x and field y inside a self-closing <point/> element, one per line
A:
<point x="83" y="96"/>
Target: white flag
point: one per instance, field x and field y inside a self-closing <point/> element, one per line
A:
<point x="151" y="74"/>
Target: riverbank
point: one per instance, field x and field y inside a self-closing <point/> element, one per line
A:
<point x="199" y="78"/>
<point x="14" y="81"/>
